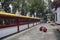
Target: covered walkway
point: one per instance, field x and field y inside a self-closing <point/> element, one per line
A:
<point x="34" y="34"/>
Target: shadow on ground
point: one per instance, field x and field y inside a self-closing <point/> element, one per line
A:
<point x="57" y="34"/>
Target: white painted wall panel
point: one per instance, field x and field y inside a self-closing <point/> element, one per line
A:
<point x="34" y="23"/>
<point x="30" y="25"/>
<point x="37" y="22"/>
<point x="7" y="31"/>
<point x="22" y="27"/>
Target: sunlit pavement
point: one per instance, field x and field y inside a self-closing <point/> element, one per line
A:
<point x="34" y="34"/>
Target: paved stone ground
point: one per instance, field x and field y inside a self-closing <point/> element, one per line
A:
<point x="35" y="34"/>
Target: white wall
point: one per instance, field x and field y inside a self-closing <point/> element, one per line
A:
<point x="30" y="25"/>
<point x="22" y="27"/>
<point x="7" y="31"/>
<point x="34" y="23"/>
<point x="58" y="16"/>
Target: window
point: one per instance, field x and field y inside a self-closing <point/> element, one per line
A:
<point x="7" y="21"/>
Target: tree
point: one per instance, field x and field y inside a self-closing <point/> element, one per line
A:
<point x="37" y="6"/>
<point x="5" y="5"/>
<point x="31" y="6"/>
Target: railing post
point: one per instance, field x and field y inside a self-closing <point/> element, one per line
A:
<point x="18" y="29"/>
<point x="28" y="26"/>
<point x="18" y="26"/>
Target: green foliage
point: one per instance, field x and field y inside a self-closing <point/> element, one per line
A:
<point x="15" y="5"/>
<point x="37" y="6"/>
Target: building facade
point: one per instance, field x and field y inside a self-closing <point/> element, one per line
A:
<point x="56" y="4"/>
